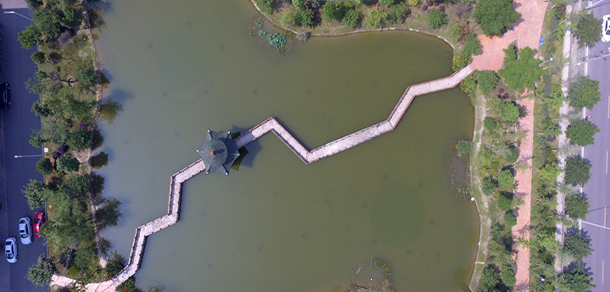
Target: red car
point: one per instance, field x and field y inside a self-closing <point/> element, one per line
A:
<point x="38" y="220"/>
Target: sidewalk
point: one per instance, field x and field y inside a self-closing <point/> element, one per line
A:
<point x="526" y="33"/>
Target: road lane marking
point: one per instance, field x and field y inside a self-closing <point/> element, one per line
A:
<point x="605" y="215"/>
<point x="609" y="106"/>
<point x="606" y="162"/>
<point x="603" y="265"/>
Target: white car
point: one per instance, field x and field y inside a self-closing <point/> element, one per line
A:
<point x="10" y="250"/>
<point x="606" y="28"/>
<point x="25" y="231"/>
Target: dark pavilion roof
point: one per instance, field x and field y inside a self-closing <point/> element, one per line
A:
<point x="218" y="152"/>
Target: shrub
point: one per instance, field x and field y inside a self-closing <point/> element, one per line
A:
<point x="79" y="140"/>
<point x="506" y="180"/>
<point x="298" y="3"/>
<point x="287" y="18"/>
<point x="36" y="140"/>
<point x="505" y="202"/>
<point x="509" y="219"/>
<point x="489" y="186"/>
<point x="386" y="2"/>
<point x="508" y="276"/>
<point x="577" y="207"/>
<point x="584" y="93"/>
<point x="511" y="155"/>
<point x="67" y="163"/>
<point x="460" y="61"/>
<point x="577" y="171"/>
<point x="487" y="80"/>
<point x="549" y="172"/>
<point x="469" y="84"/>
<point x="351" y="18"/>
<point x="332" y="10"/>
<point x="374" y="18"/>
<point x="39" y="58"/>
<point x="44" y="166"/>
<point x="413" y="2"/>
<point x="463" y="148"/>
<point x="489" y="280"/>
<point x="490" y="124"/>
<point x="127" y="286"/>
<point x="437" y="18"/>
<point x="471" y="44"/>
<point x="510" y="112"/>
<point x="41" y="272"/>
<point x="266" y="6"/>
<point x="581" y="132"/>
<point x="396" y="13"/>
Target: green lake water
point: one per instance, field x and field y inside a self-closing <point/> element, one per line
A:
<point x="276" y="224"/>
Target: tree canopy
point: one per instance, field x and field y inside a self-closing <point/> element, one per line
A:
<point x="577" y="207"/>
<point x="67" y="163"/>
<point x="40" y="273"/>
<point x="437" y="18"/>
<point x="506" y="179"/>
<point x="29" y="37"/>
<point x="496" y="16"/>
<point x="577" y="171"/>
<point x="577" y="280"/>
<point x="584" y="93"/>
<point x="487" y="80"/>
<point x="577" y="246"/>
<point x="520" y="70"/>
<point x="588" y="29"/>
<point x="581" y="132"/>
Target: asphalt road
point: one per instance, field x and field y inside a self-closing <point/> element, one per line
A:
<point x="598" y="187"/>
<point x="17" y="124"/>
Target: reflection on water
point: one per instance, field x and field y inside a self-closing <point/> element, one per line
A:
<point x="277" y="224"/>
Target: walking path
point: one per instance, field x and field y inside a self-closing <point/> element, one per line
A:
<point x="331" y="148"/>
<point x="526" y="32"/>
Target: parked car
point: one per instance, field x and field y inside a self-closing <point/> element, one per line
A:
<point x="25" y="231"/>
<point x="38" y="220"/>
<point x="5" y="89"/>
<point x="606" y="28"/>
<point x="10" y="250"/>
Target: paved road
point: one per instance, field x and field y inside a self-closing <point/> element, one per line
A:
<point x="17" y="123"/>
<point x="598" y="187"/>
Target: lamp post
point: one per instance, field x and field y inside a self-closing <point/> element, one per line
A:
<point x="16" y="13"/>
<point x="45" y="150"/>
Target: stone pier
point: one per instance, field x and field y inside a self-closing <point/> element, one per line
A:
<point x="269" y="125"/>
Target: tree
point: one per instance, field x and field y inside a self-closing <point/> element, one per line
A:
<point x="584" y="93"/>
<point x="396" y="13"/>
<point x="67" y="163"/>
<point x="576" y="280"/>
<point x="577" y="246"/>
<point x="487" y="80"/>
<point x="506" y="180"/>
<point x="374" y="19"/>
<point x="577" y="207"/>
<point x="305" y="17"/>
<point x="505" y="202"/>
<point x="36" y="192"/>
<point x="76" y="187"/>
<point x="109" y="214"/>
<point x="489" y="186"/>
<point x="577" y="171"/>
<point x="287" y="18"/>
<point x="489" y="280"/>
<point x="46" y="20"/>
<point x="510" y="112"/>
<point x="510" y="219"/>
<point x="472" y="45"/>
<point x="508" y="276"/>
<point x="86" y="75"/>
<point x="436" y="18"/>
<point x="520" y="72"/>
<point x="495" y="16"/>
<point x="549" y="172"/>
<point x="266" y="6"/>
<point x="44" y="166"/>
<point x="469" y="84"/>
<point x="40" y="273"/>
<point x="29" y="37"/>
<point x="332" y="11"/>
<point x="588" y="29"/>
<point x="386" y="2"/>
<point x="298" y="3"/>
<point x="39" y="58"/>
<point x="490" y="124"/>
<point x="581" y="132"/>
<point x="83" y="257"/>
<point x="79" y="140"/>
<point x="351" y="18"/>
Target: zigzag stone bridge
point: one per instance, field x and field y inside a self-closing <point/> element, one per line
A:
<point x="269" y="125"/>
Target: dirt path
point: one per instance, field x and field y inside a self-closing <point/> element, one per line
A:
<point x="526" y="32"/>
